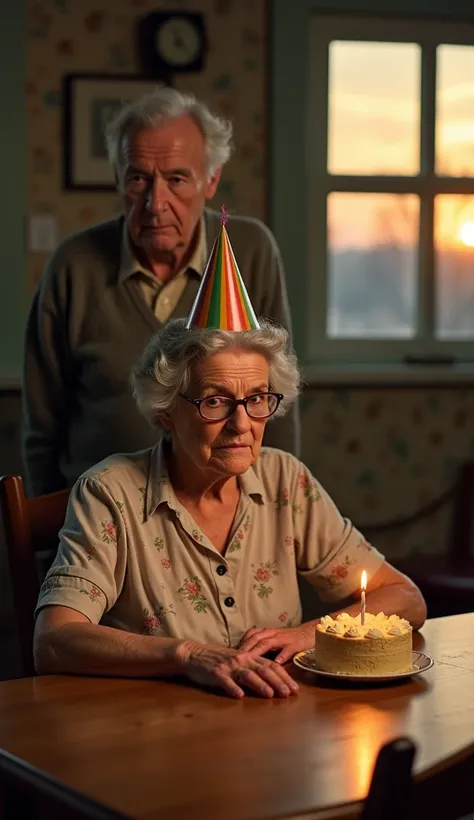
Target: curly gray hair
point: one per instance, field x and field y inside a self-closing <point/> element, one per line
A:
<point x="164" y="370"/>
<point x="165" y="104"/>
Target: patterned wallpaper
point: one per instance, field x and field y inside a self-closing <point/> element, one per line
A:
<point x="98" y="36"/>
<point x="384" y="454"/>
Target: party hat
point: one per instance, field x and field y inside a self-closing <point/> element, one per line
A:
<point x="222" y="300"/>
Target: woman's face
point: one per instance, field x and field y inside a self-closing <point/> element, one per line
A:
<point x="228" y="447"/>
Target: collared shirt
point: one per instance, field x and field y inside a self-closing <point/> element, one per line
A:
<point x="161" y="297"/>
<point x="132" y="557"/>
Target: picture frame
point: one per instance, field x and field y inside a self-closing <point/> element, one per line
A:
<point x="89" y="101"/>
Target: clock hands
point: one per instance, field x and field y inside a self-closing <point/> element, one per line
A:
<point x="178" y="40"/>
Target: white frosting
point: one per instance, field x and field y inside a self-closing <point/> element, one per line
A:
<point x="375" y="626"/>
<point x="353" y="632"/>
<point x="335" y="629"/>
<point x="374" y="633"/>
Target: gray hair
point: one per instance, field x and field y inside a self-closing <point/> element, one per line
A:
<point x="162" y="105"/>
<point x="164" y="370"/>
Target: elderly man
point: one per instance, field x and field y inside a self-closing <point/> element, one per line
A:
<point x="107" y="289"/>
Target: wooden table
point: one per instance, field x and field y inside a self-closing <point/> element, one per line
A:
<point x="158" y="749"/>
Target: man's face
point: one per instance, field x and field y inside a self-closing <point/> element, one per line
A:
<point x="164" y="184"/>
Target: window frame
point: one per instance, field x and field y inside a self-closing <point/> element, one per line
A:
<point x="323" y="29"/>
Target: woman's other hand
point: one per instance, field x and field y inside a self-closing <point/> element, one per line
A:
<point x="234" y="671"/>
<point x="289" y="641"/>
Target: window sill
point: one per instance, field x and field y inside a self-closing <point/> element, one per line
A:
<point x="392" y="375"/>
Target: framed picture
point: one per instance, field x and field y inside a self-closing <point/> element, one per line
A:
<point x="90" y="100"/>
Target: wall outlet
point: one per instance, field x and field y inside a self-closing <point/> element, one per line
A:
<point x="42" y="233"/>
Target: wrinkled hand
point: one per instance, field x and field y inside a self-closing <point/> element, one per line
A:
<point x="232" y="670"/>
<point x="289" y="640"/>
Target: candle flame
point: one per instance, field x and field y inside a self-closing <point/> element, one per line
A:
<point x="363" y="580"/>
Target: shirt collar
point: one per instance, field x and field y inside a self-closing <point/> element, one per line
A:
<point x="159" y="489"/>
<point x="251" y="485"/>
<point x="129" y="264"/>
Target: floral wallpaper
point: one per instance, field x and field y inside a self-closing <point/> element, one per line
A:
<point x="98" y="36"/>
<point x="384" y="454"/>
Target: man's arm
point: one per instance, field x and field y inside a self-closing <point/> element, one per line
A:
<point x="283" y="433"/>
<point x="47" y="391"/>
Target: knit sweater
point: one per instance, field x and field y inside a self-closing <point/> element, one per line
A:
<point x="85" y="332"/>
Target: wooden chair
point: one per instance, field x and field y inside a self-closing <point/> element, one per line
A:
<point x="447" y="792"/>
<point x="390" y="794"/>
<point x="444" y="793"/>
<point x="447" y="581"/>
<point x="27" y="793"/>
<point x="31" y="527"/>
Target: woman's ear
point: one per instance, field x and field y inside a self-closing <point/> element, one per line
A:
<point x="165" y="420"/>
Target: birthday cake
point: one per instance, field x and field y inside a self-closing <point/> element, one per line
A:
<point x="383" y="646"/>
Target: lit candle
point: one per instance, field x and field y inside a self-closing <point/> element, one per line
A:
<point x="363" y="587"/>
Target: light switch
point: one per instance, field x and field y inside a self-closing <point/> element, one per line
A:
<point x="43" y="233"/>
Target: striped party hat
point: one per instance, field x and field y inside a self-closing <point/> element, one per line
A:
<point x="222" y="301"/>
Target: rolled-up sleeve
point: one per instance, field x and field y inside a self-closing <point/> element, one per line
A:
<point x="89" y="569"/>
<point x="330" y="552"/>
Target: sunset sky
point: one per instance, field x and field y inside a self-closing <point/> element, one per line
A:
<point x="374" y="122"/>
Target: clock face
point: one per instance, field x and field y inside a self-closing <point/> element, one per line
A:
<point x="178" y="42"/>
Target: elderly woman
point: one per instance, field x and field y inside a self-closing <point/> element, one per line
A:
<point x="183" y="559"/>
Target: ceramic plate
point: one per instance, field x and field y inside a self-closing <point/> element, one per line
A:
<point x="421" y="663"/>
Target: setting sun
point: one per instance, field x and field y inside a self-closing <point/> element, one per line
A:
<point x="466" y="234"/>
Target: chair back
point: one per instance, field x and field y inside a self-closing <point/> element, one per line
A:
<point x="390" y="794"/>
<point x="31" y="527"/>
<point x="447" y="791"/>
<point x="27" y="792"/>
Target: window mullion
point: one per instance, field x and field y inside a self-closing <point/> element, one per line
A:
<point x="426" y="293"/>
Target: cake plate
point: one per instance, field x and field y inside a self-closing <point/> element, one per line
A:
<point x="421" y="663"/>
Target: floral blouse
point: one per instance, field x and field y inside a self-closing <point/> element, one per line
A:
<point x="130" y="555"/>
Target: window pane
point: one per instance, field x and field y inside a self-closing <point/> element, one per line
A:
<point x="372" y="265"/>
<point x="454" y="249"/>
<point x="455" y="111"/>
<point x="374" y="108"/>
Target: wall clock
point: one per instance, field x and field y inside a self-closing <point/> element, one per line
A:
<point x="171" y="42"/>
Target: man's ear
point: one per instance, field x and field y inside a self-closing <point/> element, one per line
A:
<point x="212" y="183"/>
<point x="118" y="180"/>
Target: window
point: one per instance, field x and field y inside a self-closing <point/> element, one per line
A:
<point x="390" y="190"/>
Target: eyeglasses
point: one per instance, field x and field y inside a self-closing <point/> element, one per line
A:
<point x="218" y="408"/>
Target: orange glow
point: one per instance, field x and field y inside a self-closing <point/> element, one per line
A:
<point x="466" y="234"/>
<point x="374" y="125"/>
<point x="454" y="221"/>
<point x="363" y="580"/>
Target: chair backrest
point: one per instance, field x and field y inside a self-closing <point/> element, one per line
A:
<point x="27" y="792"/>
<point x="31" y="526"/>
<point x="444" y="792"/>
<point x="447" y="791"/>
<point x="390" y="794"/>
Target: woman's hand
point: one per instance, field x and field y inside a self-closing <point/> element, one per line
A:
<point x="234" y="670"/>
<point x="289" y="640"/>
